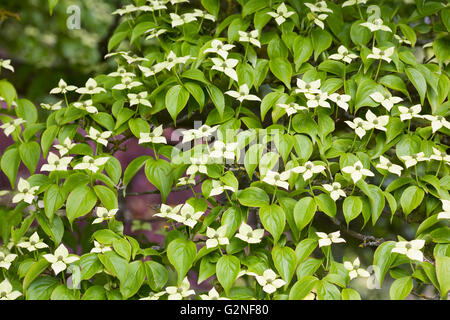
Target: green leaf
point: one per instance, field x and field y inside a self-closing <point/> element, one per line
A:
<point x="443" y="274"/>
<point x="227" y="270"/>
<point x="7" y="92"/>
<point x="157" y="274"/>
<point x="212" y="6"/>
<point x="253" y="197"/>
<point x="321" y="41"/>
<point x="90" y="265"/>
<point x="114" y="264"/>
<point x="123" y="248"/>
<point x="54" y="199"/>
<point x="10" y="165"/>
<point x="176" y="99"/>
<point x="133" y="168"/>
<point x="304" y="212"/>
<point x="61" y="292"/>
<point x="281" y="68"/>
<point x="401" y="288"/>
<point x="41" y="288"/>
<point x="302" y="288"/>
<point x="350" y="294"/>
<point x="383" y="259"/>
<point x="419" y="82"/>
<point x="285" y="261"/>
<point x="51" y="5"/>
<point x="273" y="219"/>
<point x="252" y="6"/>
<point x="80" y="201"/>
<point x="107" y="197"/>
<point x="94" y="293"/>
<point x="181" y="254"/>
<point x="35" y="270"/>
<point x="140" y="28"/>
<point x="303" y="49"/>
<point x="305" y="248"/>
<point x="159" y="173"/>
<point x="360" y="35"/>
<point x="326" y="204"/>
<point x="411" y="198"/>
<point x="217" y="98"/>
<point x="47" y="138"/>
<point x="441" y="48"/>
<point x="26" y="110"/>
<point x="134" y="279"/>
<point x="351" y="207"/>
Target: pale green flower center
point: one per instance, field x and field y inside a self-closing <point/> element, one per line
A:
<point x="3" y="294"/>
<point x="59" y="258"/>
<point x="249" y="235"/>
<point x="308" y="166"/>
<point x="358" y="167"/>
<point x="90" y="87"/>
<point x="91" y="161"/>
<point x="335" y="188"/>
<point x="408" y="246"/>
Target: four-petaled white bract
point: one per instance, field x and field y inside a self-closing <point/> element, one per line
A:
<point x="216" y="237"/>
<point x="357" y="171"/>
<point x="89" y="163"/>
<point x="26" y="192"/>
<point x="281" y="14"/>
<point x="11" y="126"/>
<point x="411" y="249"/>
<point x="55" y="163"/>
<point x="445" y="214"/>
<point x="308" y="169"/>
<point x="187" y="215"/>
<point x="104" y="214"/>
<point x="7" y="292"/>
<point x="91" y="87"/>
<point x="153" y="137"/>
<point x="380" y="54"/>
<point x="219" y="48"/>
<point x="269" y="281"/>
<point x="7" y="259"/>
<point x="328" y="239"/>
<point x="343" y="55"/>
<point x="247" y="234"/>
<point x="335" y="190"/>
<point x="178" y="293"/>
<point x="212" y="295"/>
<point x="34" y="243"/>
<point x="387" y="101"/>
<point x="355" y="270"/>
<point x="376" y="25"/>
<point x="60" y="259"/>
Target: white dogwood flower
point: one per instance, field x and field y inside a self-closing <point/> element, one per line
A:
<point x="187" y="215"/>
<point x="65" y="147"/>
<point x="6" y="291"/>
<point x="178" y="293"/>
<point x="251" y="37"/>
<point x="328" y="239"/>
<point x="60" y="259"/>
<point x="219" y="48"/>
<point x="153" y="137"/>
<point x="62" y="88"/>
<point x="167" y="211"/>
<point x="179" y="20"/>
<point x="218" y="187"/>
<point x="212" y="295"/>
<point x="126" y="83"/>
<point x="52" y="107"/>
<point x="291" y="108"/>
<point x="91" y="87"/>
<point x="204" y="131"/>
<point x="34" y="243"/>
<point x="402" y="40"/>
<point x="134" y="59"/>
<point x="242" y="94"/>
<point x="343" y="55"/>
<point x="89" y="163"/>
<point x="387" y="101"/>
<point x="412" y="160"/>
<point x="312" y="87"/>
<point x="359" y="125"/>
<point x="11" y="126"/>
<point x="389" y="166"/>
<point x="172" y="60"/>
<point x="216" y="237"/>
<point x="26" y="192"/>
<point x="6" y="64"/>
<point x="125" y="10"/>
<point x="203" y="14"/>
<point x="157" y="5"/>
<point x="100" y="137"/>
<point x="247" y="234"/>
<point x="340" y="99"/>
<point x="355" y="270"/>
<point x="319" y="19"/>
<point x="376" y="25"/>
<point x="409" y="113"/>
<point x="357" y="171"/>
<point x="437" y="122"/>
<point x="100" y="248"/>
<point x="281" y="14"/>
<point x="121" y="72"/>
<point x="154" y="296"/>
<point x="55" y="163"/>
<point x="335" y="190"/>
<point x="226" y="66"/>
<point x="198" y="165"/>
<point x="353" y="2"/>
<point x="374" y="122"/>
<point x="153" y="70"/>
<point x="277" y="179"/>
<point x="104" y="214"/>
<point x="439" y="155"/>
<point x="410" y="248"/>
<point x="154" y="33"/>
<point x="221" y="150"/>
<point x="86" y="105"/>
<point x="269" y="281"/>
<point x="379" y="54"/>
<point x="308" y="169"/>
<point x="186" y="180"/>
<point x="6" y="260"/>
<point x="445" y="214"/>
<point x="317" y="100"/>
<point x="320" y="6"/>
